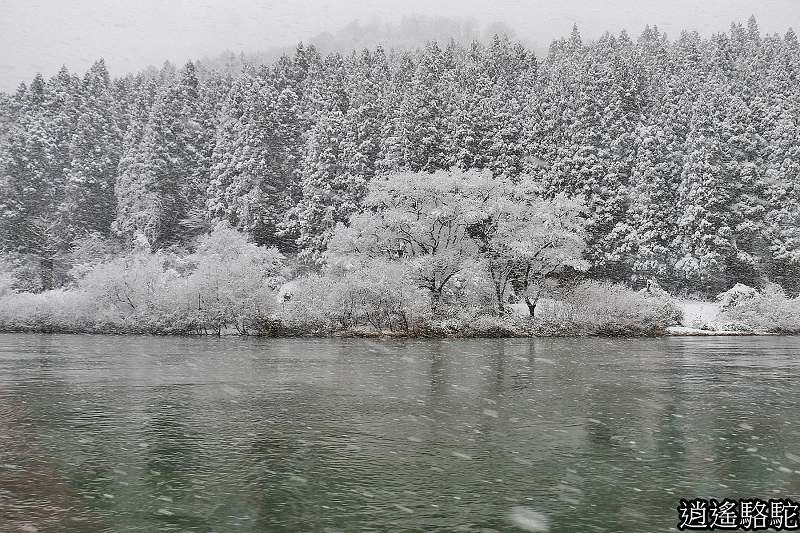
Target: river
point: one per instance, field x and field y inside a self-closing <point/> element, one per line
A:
<point x="102" y="433"/>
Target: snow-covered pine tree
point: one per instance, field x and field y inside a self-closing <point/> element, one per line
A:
<point x="593" y="156"/>
<point x="391" y="156"/>
<point x="782" y="218"/>
<point x="341" y="157"/>
<point x="474" y="122"/>
<point x="89" y="203"/>
<point x="127" y="189"/>
<point x="342" y="150"/>
<point x="169" y="165"/>
<point x="654" y="191"/>
<point x="364" y="116"/>
<point x="506" y="150"/>
<point x="242" y="182"/>
<point x="235" y="112"/>
<point x="63" y="104"/>
<point x="30" y="191"/>
<point x="201" y="127"/>
<point x="705" y="237"/>
<point x="744" y="151"/>
<point x="330" y="191"/>
<point x="424" y="125"/>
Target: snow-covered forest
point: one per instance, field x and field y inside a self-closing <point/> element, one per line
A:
<point x="644" y="158"/>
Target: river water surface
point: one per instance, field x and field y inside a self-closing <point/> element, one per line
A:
<point x="194" y="434"/>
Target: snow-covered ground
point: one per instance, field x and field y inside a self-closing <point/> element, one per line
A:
<point x="699" y="317"/>
<point x="696" y="312"/>
<point x="693" y="332"/>
<point x="702" y="318"/>
<point x="546" y="307"/>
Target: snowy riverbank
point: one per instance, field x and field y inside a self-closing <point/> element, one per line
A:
<point x="683" y="331"/>
<point x="379" y="306"/>
<point x="765" y="313"/>
<point x="552" y="319"/>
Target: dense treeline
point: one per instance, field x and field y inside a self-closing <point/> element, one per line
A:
<point x="685" y="153"/>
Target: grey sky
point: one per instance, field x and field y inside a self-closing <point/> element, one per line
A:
<point x="40" y="35"/>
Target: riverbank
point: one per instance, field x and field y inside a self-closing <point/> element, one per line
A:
<point x="513" y="326"/>
<point x="683" y="331"/>
<point x="482" y="327"/>
<point x="319" y="306"/>
<point x="708" y="319"/>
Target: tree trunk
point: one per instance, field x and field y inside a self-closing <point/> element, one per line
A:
<point x="46" y="271"/>
<point x="436" y="301"/>
<point x="499" y="294"/>
<point x="531" y="306"/>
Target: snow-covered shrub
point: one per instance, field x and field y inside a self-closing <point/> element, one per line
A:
<point x="767" y="311"/>
<point x="736" y="295"/>
<point x="233" y="281"/>
<point x="497" y="326"/>
<point x="226" y="282"/>
<point x="130" y="288"/>
<point x="613" y="309"/>
<point x="469" y="295"/>
<point x="305" y="306"/>
<point x="379" y="295"/>
<point x="57" y="310"/>
<point x="385" y="297"/>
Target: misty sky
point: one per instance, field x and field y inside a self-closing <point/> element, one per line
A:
<point x="40" y="35"/>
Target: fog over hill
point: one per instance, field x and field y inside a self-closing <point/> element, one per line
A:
<point x="409" y="32"/>
<point x="41" y="35"/>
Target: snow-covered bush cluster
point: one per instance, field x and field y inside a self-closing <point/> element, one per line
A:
<point x="379" y="296"/>
<point x="768" y="310"/>
<point x="613" y="309"/>
<point x="226" y="282"/>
